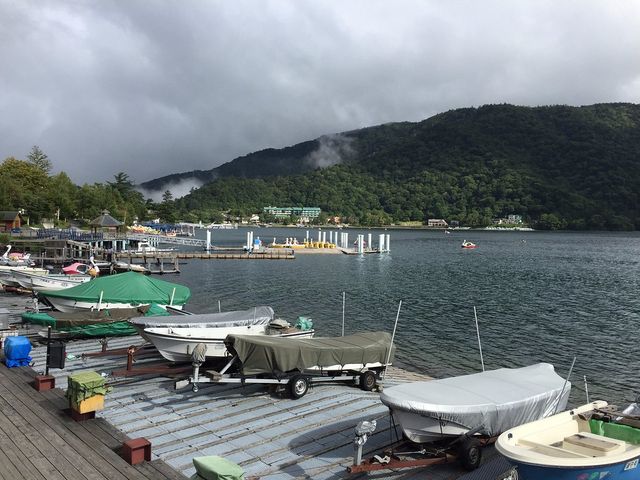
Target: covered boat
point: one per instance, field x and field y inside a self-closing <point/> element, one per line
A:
<point x="96" y="323"/>
<point x="295" y="363"/>
<point x="593" y="441"/>
<point x="125" y="290"/>
<point x="273" y="355"/>
<point x="495" y="400"/>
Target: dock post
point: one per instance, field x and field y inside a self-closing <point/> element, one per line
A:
<point x="208" y="247"/>
<point x="369" y="241"/>
<point x="381" y="242"/>
<point x="388" y="243"/>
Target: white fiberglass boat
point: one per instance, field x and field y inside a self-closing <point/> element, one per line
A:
<point x="494" y="400"/>
<point x="39" y="282"/>
<point x="177" y="344"/>
<point x="176" y="336"/>
<point x="8" y="279"/>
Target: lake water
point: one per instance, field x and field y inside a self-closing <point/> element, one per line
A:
<point x="540" y="297"/>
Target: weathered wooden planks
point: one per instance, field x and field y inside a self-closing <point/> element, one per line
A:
<point x="39" y="440"/>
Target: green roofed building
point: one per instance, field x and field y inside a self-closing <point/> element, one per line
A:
<point x="302" y="212"/>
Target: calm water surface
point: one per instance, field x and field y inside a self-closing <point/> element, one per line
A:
<point x="540" y="297"/>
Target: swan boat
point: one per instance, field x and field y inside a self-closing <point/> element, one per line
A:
<point x="176" y="336"/>
<point x="593" y="441"/>
<point x="486" y="403"/>
<point x="16" y="259"/>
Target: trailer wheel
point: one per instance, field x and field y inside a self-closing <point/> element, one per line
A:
<point x="368" y="380"/>
<point x="298" y="386"/>
<point x="470" y="454"/>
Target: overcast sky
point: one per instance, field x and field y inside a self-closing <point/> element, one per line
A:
<point x="159" y="87"/>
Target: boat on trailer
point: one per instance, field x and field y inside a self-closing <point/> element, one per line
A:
<point x="488" y="402"/>
<point x="294" y="363"/>
<point x="593" y="441"/>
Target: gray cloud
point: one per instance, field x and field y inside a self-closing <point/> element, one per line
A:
<point x="154" y="88"/>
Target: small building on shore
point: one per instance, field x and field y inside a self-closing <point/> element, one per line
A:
<point x="437" y="223"/>
<point x="10" y="220"/>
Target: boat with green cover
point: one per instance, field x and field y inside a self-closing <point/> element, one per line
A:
<point x="124" y="290"/>
<point x="103" y="323"/>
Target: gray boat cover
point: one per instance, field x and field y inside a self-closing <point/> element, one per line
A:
<point x="270" y="354"/>
<point x="237" y="318"/>
<point x="497" y="399"/>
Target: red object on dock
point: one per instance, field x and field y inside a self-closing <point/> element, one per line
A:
<point x="44" y="382"/>
<point x="136" y="450"/>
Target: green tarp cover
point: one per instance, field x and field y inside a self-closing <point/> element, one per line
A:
<point x="64" y="320"/>
<point x="106" y="329"/>
<point x="130" y="287"/>
<point x="615" y="430"/>
<point x="83" y="385"/>
<point x="213" y="467"/>
<point x="267" y="354"/>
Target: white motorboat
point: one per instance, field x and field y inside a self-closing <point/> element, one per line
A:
<point x="176" y="336"/>
<point x="8" y="279"/>
<point x="39" y="282"/>
<point x="177" y="344"/>
<point x="486" y="403"/>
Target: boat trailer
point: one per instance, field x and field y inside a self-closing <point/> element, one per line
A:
<point x="296" y="383"/>
<point x="464" y="449"/>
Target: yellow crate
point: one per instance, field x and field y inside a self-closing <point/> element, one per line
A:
<point x="87" y="405"/>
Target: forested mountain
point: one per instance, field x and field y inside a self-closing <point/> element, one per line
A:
<point x="558" y="166"/>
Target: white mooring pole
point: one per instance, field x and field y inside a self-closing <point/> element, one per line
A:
<point x="393" y="335"/>
<point x="344" y="299"/>
<point x="475" y="314"/>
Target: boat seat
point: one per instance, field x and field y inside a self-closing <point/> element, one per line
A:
<point x="594" y="445"/>
<point x="550" y="450"/>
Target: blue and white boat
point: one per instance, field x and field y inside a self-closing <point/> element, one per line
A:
<point x="593" y="441"/>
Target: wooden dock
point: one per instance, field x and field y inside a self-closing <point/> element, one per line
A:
<point x="271" y="437"/>
<point x="39" y="440"/>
